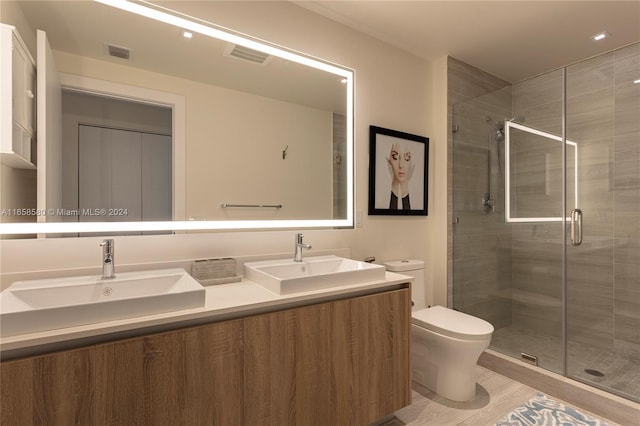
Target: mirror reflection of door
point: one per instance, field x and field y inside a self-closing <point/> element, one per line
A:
<point x="123" y="175"/>
<point x="117" y="159"/>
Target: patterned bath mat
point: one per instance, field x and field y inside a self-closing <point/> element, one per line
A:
<point x="544" y="411"/>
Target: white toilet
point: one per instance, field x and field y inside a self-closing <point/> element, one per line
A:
<point x="445" y="344"/>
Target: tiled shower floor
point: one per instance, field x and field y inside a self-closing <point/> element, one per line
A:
<point x="621" y="371"/>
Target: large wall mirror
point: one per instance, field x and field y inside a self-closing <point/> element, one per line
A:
<point x="163" y="122"/>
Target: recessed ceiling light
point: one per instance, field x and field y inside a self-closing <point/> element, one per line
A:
<point x="600" y="36"/>
<point x="187" y="34"/>
<point x="637" y="81"/>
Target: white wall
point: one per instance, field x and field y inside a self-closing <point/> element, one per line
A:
<point x="10" y="13"/>
<point x="441" y="252"/>
<point x="17" y="191"/>
<point x="49" y="130"/>
<point x="245" y="164"/>
<point x="393" y="89"/>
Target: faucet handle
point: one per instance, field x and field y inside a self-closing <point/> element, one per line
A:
<point x="108" y="266"/>
<point x="107" y="244"/>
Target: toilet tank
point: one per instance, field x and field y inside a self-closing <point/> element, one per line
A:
<point x="413" y="268"/>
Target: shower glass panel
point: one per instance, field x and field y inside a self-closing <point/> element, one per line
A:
<point x="507" y="273"/>
<point x="510" y="273"/>
<point x="574" y="308"/>
<point x="482" y="243"/>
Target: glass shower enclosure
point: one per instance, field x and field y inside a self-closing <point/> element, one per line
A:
<point x="546" y="191"/>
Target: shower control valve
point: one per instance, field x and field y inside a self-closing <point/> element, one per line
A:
<point x="488" y="203"/>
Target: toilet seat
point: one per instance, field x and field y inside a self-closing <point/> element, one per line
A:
<point x="452" y="323"/>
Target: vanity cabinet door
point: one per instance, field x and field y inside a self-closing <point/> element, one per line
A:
<point x="381" y="332"/>
<point x="289" y="355"/>
<point x="55" y="389"/>
<point x="338" y="363"/>
<point x="186" y="377"/>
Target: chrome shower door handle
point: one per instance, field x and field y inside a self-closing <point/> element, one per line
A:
<point x="576" y="227"/>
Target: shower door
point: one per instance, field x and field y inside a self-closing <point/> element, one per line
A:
<point x="603" y="273"/>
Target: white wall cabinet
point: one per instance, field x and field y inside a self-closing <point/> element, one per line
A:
<point x="17" y="100"/>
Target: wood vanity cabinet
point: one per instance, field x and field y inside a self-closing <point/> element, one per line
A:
<point x="344" y="362"/>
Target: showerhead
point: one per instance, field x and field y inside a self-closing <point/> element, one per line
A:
<point x="499" y="130"/>
<point x="499" y="126"/>
<point x="497" y="136"/>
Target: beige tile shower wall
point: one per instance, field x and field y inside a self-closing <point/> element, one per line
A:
<point x="339" y="166"/>
<point x="626" y="185"/>
<point x="603" y="111"/>
<point x="480" y="242"/>
<point x="537" y="277"/>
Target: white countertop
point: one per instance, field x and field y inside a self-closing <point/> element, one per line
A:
<point x="223" y="301"/>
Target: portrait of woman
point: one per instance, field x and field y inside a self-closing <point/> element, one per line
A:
<point x="401" y="170"/>
<point x="397" y="172"/>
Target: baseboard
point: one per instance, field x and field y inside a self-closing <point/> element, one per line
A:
<point x="597" y="401"/>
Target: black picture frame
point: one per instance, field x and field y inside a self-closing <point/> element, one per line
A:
<point x="386" y="171"/>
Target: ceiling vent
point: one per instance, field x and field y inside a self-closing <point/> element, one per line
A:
<point x="246" y="54"/>
<point x="118" y="51"/>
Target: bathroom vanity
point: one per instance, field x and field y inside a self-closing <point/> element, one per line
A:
<point x="329" y="356"/>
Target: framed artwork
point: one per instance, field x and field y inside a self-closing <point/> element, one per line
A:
<point x="398" y="172"/>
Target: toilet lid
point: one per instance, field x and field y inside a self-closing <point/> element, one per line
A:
<point x="452" y="323"/>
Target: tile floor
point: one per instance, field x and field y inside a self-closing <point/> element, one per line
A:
<point x="497" y="396"/>
<point x="621" y="370"/>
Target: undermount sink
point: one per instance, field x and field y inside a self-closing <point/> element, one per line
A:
<point x="40" y="305"/>
<point x="313" y="273"/>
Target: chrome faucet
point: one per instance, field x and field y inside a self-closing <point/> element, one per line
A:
<point x="299" y="246"/>
<point x="108" y="265"/>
